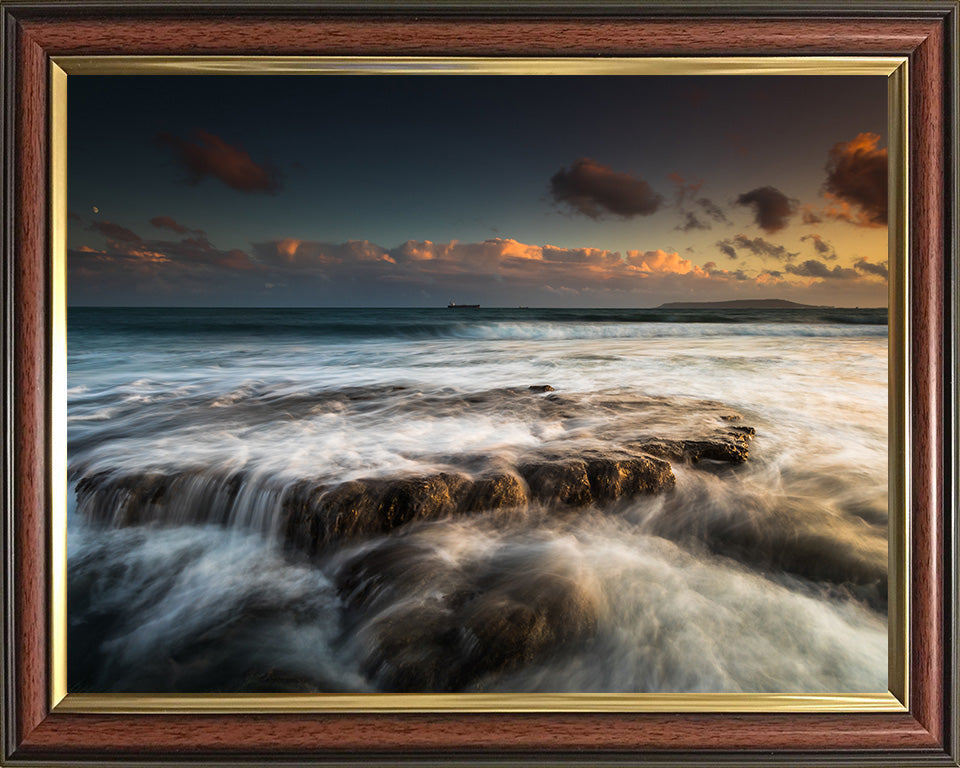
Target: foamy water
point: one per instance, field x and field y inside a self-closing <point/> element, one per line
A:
<point x="672" y="599"/>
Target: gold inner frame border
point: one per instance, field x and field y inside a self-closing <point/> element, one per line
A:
<point x="895" y="699"/>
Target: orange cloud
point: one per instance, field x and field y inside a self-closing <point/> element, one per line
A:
<point x="662" y="262"/>
<point x="288" y="247"/>
<point x="147" y="255"/>
<point x="856" y="185"/>
<point x="498" y="267"/>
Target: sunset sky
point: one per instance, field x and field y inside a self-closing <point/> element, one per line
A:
<point x="337" y="191"/>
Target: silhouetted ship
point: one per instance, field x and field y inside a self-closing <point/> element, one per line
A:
<point x="454" y="305"/>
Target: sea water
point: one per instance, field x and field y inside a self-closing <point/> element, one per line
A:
<point x="656" y="593"/>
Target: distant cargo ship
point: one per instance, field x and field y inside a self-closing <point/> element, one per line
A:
<point x="454" y="305"/>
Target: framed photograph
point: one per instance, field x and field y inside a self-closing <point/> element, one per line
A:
<point x="477" y="384"/>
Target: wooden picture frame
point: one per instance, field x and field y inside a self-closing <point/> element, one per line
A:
<point x="34" y="33"/>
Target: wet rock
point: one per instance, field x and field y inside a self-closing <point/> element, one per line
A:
<point x="521" y="621"/>
<point x="427" y="624"/>
<point x="316" y="515"/>
<point x="731" y="447"/>
<point x="310" y="515"/>
<point x="622" y="476"/>
<point x="500" y="491"/>
<point x="371" y="578"/>
<point x="597" y="478"/>
<point x="562" y="482"/>
<point x="134" y="499"/>
<point x="414" y="648"/>
<point x="120" y="501"/>
<point x="418" y="498"/>
<point x="541" y="388"/>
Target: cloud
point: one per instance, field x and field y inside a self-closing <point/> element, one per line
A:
<point x="857" y="182"/>
<point x="209" y="155"/>
<point x="821" y="246"/>
<point x="130" y="264"/>
<point x="880" y="270"/>
<point x="662" y="262"/>
<point x="115" y="232"/>
<point x="814" y="268"/>
<point x="595" y="190"/>
<point x="771" y="208"/>
<point x="713" y="210"/>
<point x="200" y="252"/>
<point x="810" y="215"/>
<point x="756" y="245"/>
<point x="691" y="222"/>
<point x="498" y="272"/>
<point x="686" y="197"/>
<point x="685" y="189"/>
<point x="165" y="222"/>
<point x="726" y="248"/>
<point x="293" y="254"/>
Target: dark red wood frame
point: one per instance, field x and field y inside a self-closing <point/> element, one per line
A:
<point x="925" y="32"/>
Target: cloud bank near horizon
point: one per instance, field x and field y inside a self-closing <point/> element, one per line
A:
<point x="498" y="271"/>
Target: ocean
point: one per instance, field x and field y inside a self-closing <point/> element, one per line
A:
<point x="501" y="500"/>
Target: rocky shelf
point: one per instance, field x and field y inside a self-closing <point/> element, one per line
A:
<point x="314" y="515"/>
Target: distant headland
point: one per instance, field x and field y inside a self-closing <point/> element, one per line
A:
<point x="740" y="304"/>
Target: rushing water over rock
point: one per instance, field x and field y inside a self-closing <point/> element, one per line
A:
<point x="396" y="500"/>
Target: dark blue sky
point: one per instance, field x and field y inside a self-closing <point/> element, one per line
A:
<point x="282" y="174"/>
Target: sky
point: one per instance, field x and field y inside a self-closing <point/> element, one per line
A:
<point x="416" y="190"/>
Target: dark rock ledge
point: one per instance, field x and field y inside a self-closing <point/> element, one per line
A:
<point x="313" y="515"/>
<point x="316" y="515"/>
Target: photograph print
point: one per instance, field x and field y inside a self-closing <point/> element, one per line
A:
<point x="499" y="384"/>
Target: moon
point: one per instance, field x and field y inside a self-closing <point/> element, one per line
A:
<point x="96" y="210"/>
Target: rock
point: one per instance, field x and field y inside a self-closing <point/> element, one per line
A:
<point x="522" y="620"/>
<point x="731" y="447"/>
<point x="563" y="482"/>
<point x="431" y="624"/>
<point x="418" y="498"/>
<point x="414" y="649"/>
<point x="134" y="499"/>
<point x="615" y="477"/>
<point x="500" y="491"/>
<point x="316" y="515"/>
<point x="369" y="579"/>
<point x="541" y="388"/>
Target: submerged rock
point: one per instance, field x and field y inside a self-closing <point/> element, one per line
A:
<point x="427" y="624"/>
<point x="194" y="496"/>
